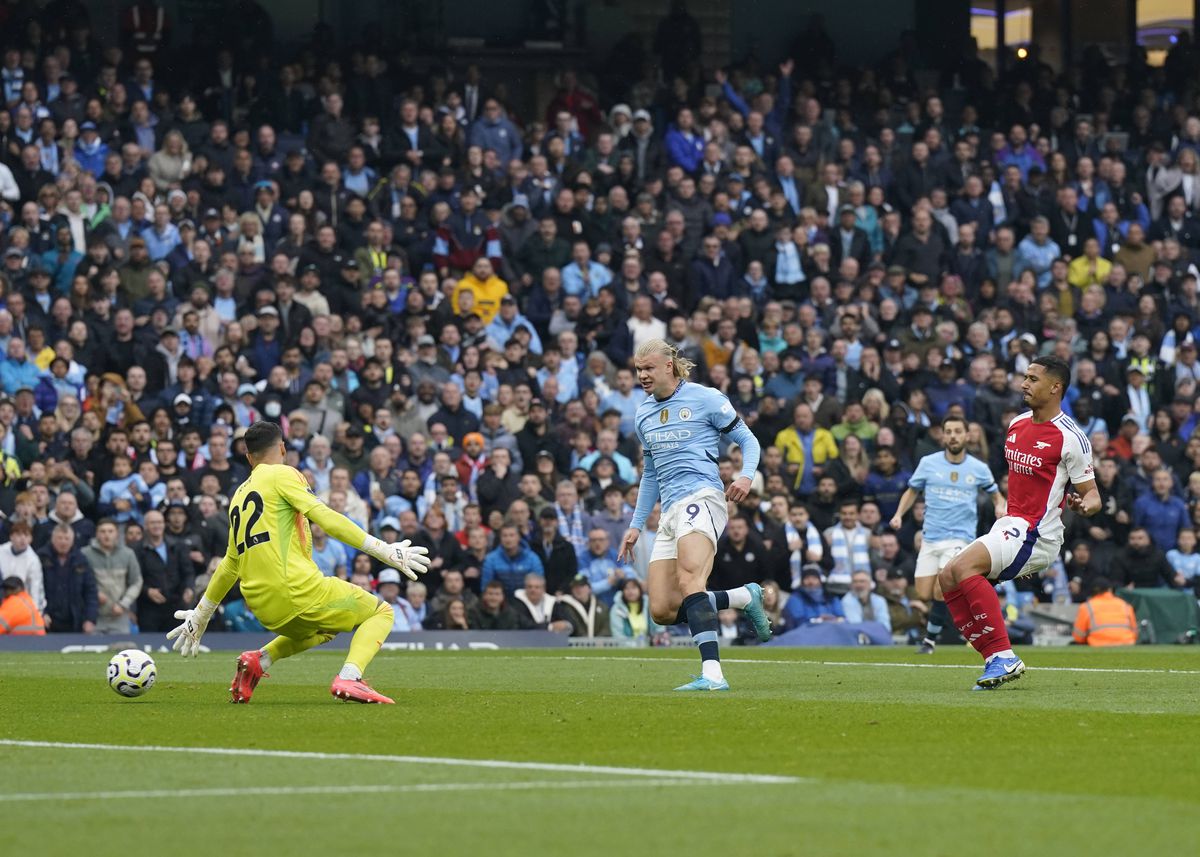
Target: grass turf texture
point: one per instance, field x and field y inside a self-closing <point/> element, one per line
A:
<point x="890" y="760"/>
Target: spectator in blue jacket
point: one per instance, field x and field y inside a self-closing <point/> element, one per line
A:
<point x="90" y="151"/>
<point x="863" y="604"/>
<point x="163" y="236"/>
<point x="604" y="572"/>
<point x="121" y="496"/>
<point x="62" y="259"/>
<point x="510" y="562"/>
<point x="493" y="130"/>
<point x="811" y="603"/>
<point x="1037" y="252"/>
<point x="18" y="370"/>
<point x="1161" y="512"/>
<point x="685" y="147"/>
<point x="506" y="323"/>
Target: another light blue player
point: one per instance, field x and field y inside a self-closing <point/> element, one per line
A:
<point x="950" y="480"/>
<point x="679" y="426"/>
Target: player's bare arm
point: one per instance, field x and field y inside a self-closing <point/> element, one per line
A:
<point x="907" y="500"/>
<point x="1085" y="500"/>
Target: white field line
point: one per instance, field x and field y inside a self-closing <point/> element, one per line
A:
<point x="768" y="662"/>
<point x="764" y="661"/>
<point x="293" y="791"/>
<point x="699" y="776"/>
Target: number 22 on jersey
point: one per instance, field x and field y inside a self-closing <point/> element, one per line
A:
<point x="248" y="538"/>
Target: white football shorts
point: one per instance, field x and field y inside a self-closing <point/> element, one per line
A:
<point x="934" y="555"/>
<point x="702" y="512"/>
<point x="1017" y="549"/>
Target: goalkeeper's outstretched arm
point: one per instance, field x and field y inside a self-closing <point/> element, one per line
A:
<point x="402" y="556"/>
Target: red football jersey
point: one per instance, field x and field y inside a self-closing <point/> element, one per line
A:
<point x="1041" y="458"/>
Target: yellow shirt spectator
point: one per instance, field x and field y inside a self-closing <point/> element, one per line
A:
<point x="486" y="288"/>
<point x="791" y="441"/>
<point x="1090" y="269"/>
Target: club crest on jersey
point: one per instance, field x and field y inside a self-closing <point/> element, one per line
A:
<point x="685" y="413"/>
<point x="953" y="475"/>
<point x="1041" y="444"/>
<point x="664" y="415"/>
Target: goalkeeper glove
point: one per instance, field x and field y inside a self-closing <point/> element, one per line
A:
<point x="187" y="635"/>
<point x="402" y="556"/>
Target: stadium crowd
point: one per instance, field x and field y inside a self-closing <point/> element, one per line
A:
<point x="438" y="300"/>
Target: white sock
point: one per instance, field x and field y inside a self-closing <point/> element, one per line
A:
<point x="711" y="670"/>
<point x="350" y="671"/>
<point x="739" y="599"/>
<point x="1007" y="653"/>
<point x="264" y="658"/>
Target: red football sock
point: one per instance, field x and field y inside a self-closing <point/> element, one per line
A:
<point x="956" y="603"/>
<point x="978" y="616"/>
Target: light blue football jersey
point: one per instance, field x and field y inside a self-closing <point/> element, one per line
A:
<point x="681" y="435"/>
<point x="950" y="490"/>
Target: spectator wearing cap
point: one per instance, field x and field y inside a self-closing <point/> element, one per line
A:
<point x="266" y="348"/>
<point x="90" y="150"/>
<point x="427" y="368"/>
<point x="848" y="241"/>
<point x="322" y="419"/>
<point x="135" y="273"/>
<point x="587" y="615"/>
<point x="811" y="604"/>
<point x="507" y="322"/>
<point x="949" y="390"/>
<point x="649" y="155"/>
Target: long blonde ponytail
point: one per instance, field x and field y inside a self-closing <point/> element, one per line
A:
<point x="681" y="366"/>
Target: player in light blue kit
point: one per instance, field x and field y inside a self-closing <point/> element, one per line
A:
<point x="950" y="481"/>
<point x="679" y="426"/>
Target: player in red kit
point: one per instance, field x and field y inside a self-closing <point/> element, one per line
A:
<point x="1044" y="450"/>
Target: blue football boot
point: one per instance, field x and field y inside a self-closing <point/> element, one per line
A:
<point x="1000" y="670"/>
<point x="757" y="614"/>
<point x="701" y="683"/>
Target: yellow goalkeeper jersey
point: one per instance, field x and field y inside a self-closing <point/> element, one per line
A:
<point x="270" y="543"/>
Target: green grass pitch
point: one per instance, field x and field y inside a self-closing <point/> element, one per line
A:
<point x="815" y="752"/>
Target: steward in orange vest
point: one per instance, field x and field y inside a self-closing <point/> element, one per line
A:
<point x="18" y="613"/>
<point x="1104" y="619"/>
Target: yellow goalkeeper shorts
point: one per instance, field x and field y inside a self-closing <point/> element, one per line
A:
<point x="341" y="607"/>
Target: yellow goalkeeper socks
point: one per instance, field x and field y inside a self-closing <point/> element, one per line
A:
<point x="368" y="637"/>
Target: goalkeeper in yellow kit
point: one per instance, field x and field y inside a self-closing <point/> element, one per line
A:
<point x="270" y="554"/>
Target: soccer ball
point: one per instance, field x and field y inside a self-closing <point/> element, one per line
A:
<point x="131" y="672"/>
